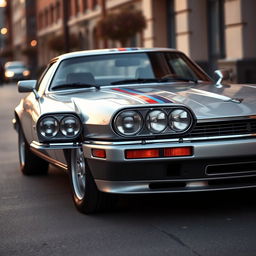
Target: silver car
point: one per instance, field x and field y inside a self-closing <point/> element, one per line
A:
<point x="136" y="121"/>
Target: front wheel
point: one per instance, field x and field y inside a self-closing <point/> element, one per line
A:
<point x="30" y="164"/>
<point x="87" y="198"/>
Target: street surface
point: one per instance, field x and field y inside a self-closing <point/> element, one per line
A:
<point x="37" y="216"/>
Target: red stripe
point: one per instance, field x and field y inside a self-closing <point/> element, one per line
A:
<point x="145" y="98"/>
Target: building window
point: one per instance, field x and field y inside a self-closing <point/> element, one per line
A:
<point x="216" y="29"/>
<point x="46" y="17"/>
<point x="51" y="14"/>
<point x="85" y="5"/>
<point x="94" y="4"/>
<point x="95" y="39"/>
<point x="57" y="9"/>
<point x="171" y="32"/>
<point x="40" y="21"/>
<point x="76" y="7"/>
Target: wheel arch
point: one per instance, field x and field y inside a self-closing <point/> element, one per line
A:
<point x="16" y="121"/>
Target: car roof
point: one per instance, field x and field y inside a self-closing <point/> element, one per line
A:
<point x="14" y="63"/>
<point x="111" y="51"/>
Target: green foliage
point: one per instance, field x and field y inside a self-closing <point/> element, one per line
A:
<point x="57" y="43"/>
<point x="122" y="26"/>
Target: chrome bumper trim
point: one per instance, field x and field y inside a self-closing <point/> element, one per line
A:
<point x="240" y="136"/>
<point x="201" y="149"/>
<point x="41" y="146"/>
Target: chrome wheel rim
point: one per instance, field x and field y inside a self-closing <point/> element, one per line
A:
<point x="78" y="172"/>
<point x="22" y="150"/>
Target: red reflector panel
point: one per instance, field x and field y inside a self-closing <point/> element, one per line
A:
<point x="184" y="151"/>
<point x="100" y="153"/>
<point x="142" y="153"/>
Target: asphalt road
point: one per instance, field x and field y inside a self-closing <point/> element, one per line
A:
<point x="37" y="216"/>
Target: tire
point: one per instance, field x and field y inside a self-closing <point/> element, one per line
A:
<point x="87" y="198"/>
<point x="30" y="164"/>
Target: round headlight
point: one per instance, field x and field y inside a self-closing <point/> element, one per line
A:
<point x="128" y="122"/>
<point x="9" y="74"/>
<point x="180" y="120"/>
<point x="70" y="126"/>
<point x="156" y="121"/>
<point x="49" y="127"/>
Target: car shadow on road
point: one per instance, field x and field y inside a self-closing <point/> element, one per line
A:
<point x="176" y="203"/>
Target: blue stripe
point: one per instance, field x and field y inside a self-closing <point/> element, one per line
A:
<point x="155" y="97"/>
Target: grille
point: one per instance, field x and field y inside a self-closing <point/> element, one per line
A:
<point x="224" y="128"/>
<point x="231" y="168"/>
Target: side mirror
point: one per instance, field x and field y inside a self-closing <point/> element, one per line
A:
<point x="222" y="75"/>
<point x="26" y="85"/>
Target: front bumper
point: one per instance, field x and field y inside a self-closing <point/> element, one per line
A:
<point x="214" y="165"/>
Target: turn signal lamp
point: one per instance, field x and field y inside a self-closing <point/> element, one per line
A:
<point x="142" y="153"/>
<point x="26" y="73"/>
<point x="158" y="153"/>
<point x="184" y="151"/>
<point x="100" y="153"/>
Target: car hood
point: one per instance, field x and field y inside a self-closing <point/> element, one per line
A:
<point x="205" y="100"/>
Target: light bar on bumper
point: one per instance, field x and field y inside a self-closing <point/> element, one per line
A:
<point x="147" y="153"/>
<point x="158" y="152"/>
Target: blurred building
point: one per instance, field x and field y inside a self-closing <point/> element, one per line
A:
<point x="3" y="26"/>
<point x="215" y="33"/>
<point x="22" y="32"/>
<point x="78" y="19"/>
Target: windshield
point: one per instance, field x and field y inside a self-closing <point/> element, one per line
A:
<point x="15" y="67"/>
<point x="111" y="69"/>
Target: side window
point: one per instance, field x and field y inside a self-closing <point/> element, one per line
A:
<point x="181" y="68"/>
<point x="44" y="79"/>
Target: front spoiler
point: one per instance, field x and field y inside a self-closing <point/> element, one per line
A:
<point x="175" y="186"/>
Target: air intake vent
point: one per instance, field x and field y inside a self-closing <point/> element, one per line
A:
<point x="224" y="128"/>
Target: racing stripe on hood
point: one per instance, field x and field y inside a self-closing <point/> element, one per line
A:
<point x="147" y="97"/>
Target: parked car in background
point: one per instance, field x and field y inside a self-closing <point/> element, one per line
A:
<point x="136" y="121"/>
<point x="15" y="70"/>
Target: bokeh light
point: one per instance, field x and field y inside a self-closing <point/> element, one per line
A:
<point x="3" y="3"/>
<point x="4" y="31"/>
<point x="33" y="43"/>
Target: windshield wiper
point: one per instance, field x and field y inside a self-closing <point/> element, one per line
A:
<point x="134" y="81"/>
<point x="177" y="78"/>
<point x="75" y="86"/>
<point x="153" y="80"/>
